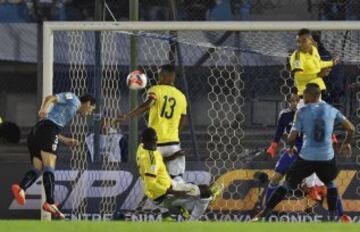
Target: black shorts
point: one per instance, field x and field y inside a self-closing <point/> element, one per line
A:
<point x="327" y="171"/>
<point x="43" y="137"/>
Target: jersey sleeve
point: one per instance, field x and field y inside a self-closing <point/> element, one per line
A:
<point x="297" y="125"/>
<point x="339" y="117"/>
<point x="280" y="128"/>
<point x="153" y="93"/>
<point x="326" y="63"/>
<point x="184" y="111"/>
<point x="152" y="185"/>
<point x="323" y="63"/>
<point x="296" y="63"/>
<point x="63" y="98"/>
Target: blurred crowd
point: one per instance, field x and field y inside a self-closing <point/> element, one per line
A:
<point x="75" y="10"/>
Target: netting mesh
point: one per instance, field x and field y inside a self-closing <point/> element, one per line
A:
<point x="237" y="83"/>
<point x="110" y="93"/>
<point x="79" y="126"/>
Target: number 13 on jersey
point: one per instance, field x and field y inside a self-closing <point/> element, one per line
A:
<point x="168" y="107"/>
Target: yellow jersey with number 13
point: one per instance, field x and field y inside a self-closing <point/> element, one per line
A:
<point x="165" y="112"/>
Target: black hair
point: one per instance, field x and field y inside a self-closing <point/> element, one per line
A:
<point x="304" y="31"/>
<point x="167" y="68"/>
<point x="85" y="98"/>
<point x="149" y="135"/>
<point x="313" y="89"/>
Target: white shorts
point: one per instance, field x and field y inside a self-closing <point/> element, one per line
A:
<point x="175" y="167"/>
<point x="312" y="181"/>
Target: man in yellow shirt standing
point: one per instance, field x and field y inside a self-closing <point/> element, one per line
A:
<point x="161" y="189"/>
<point x="167" y="110"/>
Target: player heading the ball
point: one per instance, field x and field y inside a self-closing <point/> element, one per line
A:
<point x="56" y="111"/>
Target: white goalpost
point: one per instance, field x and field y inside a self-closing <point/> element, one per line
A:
<point x="235" y="71"/>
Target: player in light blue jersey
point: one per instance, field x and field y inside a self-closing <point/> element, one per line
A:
<point x="316" y="122"/>
<point x="55" y="112"/>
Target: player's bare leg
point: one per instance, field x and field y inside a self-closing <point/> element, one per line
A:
<point x="49" y="161"/>
<point x="29" y="178"/>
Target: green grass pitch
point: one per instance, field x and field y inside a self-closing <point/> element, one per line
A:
<point x="87" y="226"/>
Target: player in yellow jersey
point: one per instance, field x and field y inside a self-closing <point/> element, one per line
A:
<point x="167" y="110"/>
<point x="306" y="64"/>
<point x="161" y="189"/>
<point x="308" y="67"/>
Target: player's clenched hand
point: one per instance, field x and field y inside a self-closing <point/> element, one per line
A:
<point x="42" y="113"/>
<point x="336" y="60"/>
<point x="72" y="142"/>
<point x="346" y="150"/>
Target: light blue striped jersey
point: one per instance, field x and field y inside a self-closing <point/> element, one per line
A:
<point x="65" y="109"/>
<point x="316" y="122"/>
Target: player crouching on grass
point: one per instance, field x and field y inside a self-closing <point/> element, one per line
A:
<point x="159" y="186"/>
<point x="55" y="112"/>
<point x="316" y="122"/>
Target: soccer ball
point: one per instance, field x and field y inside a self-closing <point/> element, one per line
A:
<point x="136" y="80"/>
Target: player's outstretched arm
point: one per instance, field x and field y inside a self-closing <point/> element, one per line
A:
<point x="49" y="100"/>
<point x="273" y="148"/>
<point x="182" y="122"/>
<point x="326" y="67"/>
<point x="68" y="141"/>
<point x="136" y="112"/>
<point x="329" y="63"/>
<point x="346" y="145"/>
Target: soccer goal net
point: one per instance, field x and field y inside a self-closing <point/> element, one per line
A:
<point x="236" y="78"/>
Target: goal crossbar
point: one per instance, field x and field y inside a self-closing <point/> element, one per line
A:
<point x="202" y="26"/>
